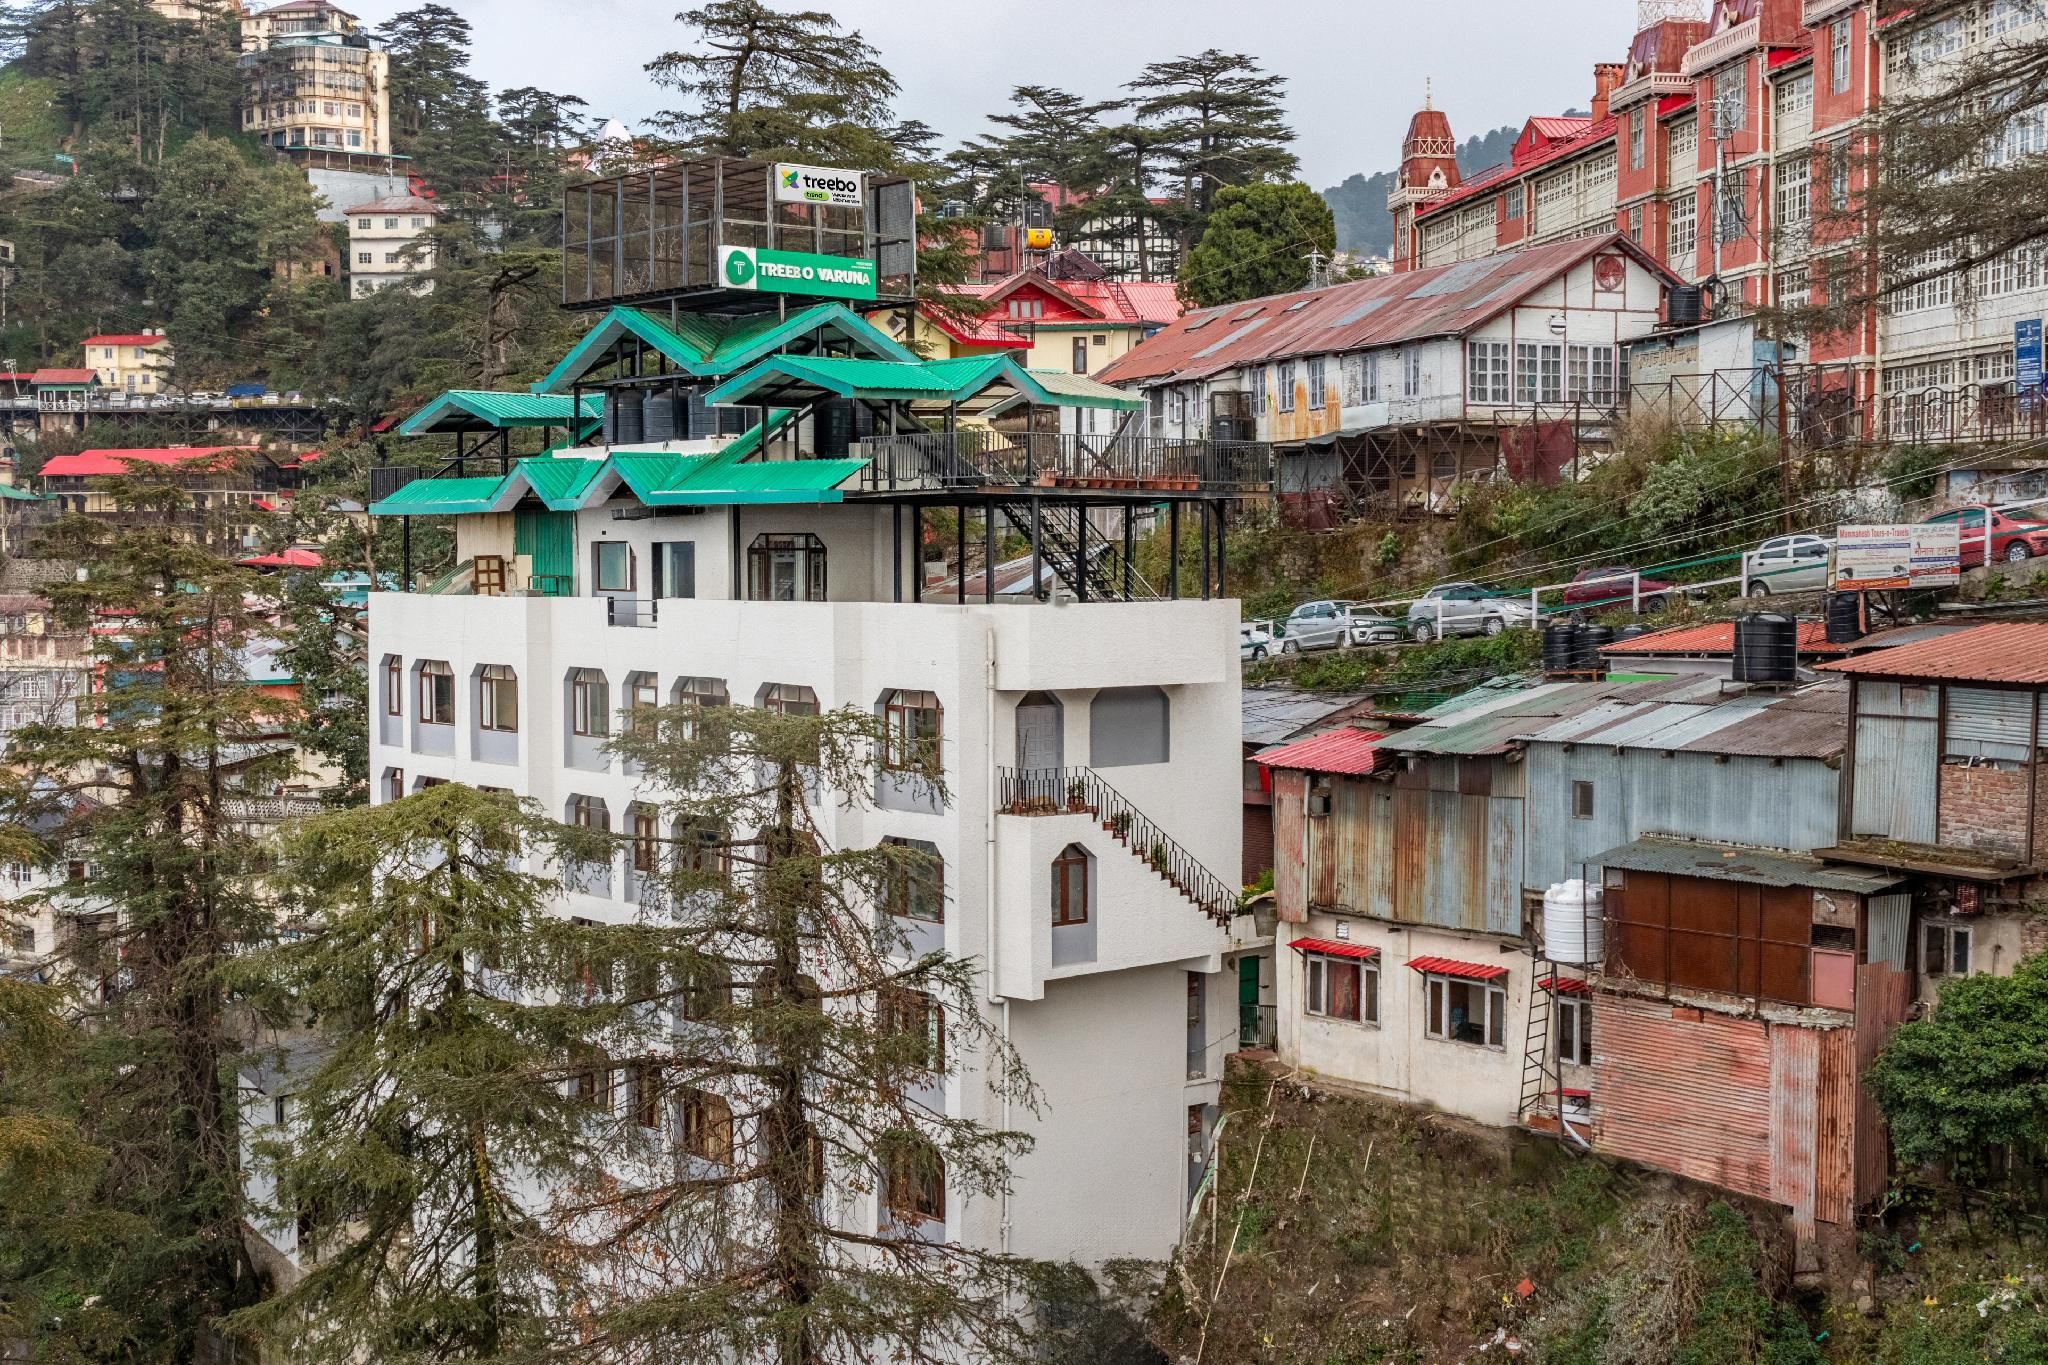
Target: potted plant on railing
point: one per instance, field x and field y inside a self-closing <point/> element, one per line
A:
<point x="1120" y="824"/>
<point x="1159" y="858"/>
<point x="1077" y="796"/>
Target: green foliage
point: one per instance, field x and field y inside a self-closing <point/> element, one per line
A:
<point x="1256" y="243"/>
<point x="325" y="649"/>
<point x="1968" y="1083"/>
<point x="1733" y="1319"/>
<point x="1914" y="472"/>
<point x="1360" y="203"/>
<point x="1387" y="553"/>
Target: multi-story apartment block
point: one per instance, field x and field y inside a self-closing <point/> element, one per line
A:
<point x="131" y="363"/>
<point x="1735" y="148"/>
<point x="1087" y="730"/>
<point x="312" y="81"/>
<point x="381" y="237"/>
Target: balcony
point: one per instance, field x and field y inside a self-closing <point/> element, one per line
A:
<point x="979" y="459"/>
<point x="1651" y="84"/>
<point x="1723" y="47"/>
<point x="1819" y="11"/>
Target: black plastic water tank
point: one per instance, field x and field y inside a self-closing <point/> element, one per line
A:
<point x="1592" y="639"/>
<point x="658" y="416"/>
<point x="1685" y="305"/>
<point x="1561" y="647"/>
<point x="1766" y="648"/>
<point x="1845" y="618"/>
<point x="1630" y="633"/>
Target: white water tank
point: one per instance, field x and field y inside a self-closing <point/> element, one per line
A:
<point x="1573" y="930"/>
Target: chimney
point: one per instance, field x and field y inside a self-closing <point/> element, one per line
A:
<point x="1606" y="76"/>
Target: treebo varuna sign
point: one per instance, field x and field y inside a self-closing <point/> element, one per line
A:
<point x="796" y="272"/>
<point x="817" y="185"/>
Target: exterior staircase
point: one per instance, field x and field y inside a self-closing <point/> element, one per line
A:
<point x="1081" y="791"/>
<point x="1109" y="577"/>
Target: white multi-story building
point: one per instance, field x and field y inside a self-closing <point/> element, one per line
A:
<point x="598" y="578"/>
<point x="379" y="234"/>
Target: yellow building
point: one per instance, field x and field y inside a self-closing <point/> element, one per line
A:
<point x="131" y="362"/>
<point x="311" y="80"/>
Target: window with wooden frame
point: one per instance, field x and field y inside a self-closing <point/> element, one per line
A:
<point x="589" y="812"/>
<point x="497" y="698"/>
<point x="1070" y="886"/>
<point x="915" y="1025"/>
<point x="788" y="699"/>
<point x="489" y="574"/>
<point x="647" y="1090"/>
<point x="643" y="703"/>
<point x="703" y="848"/>
<point x="1341" y="988"/>
<point x="706" y="1127"/>
<point x="1462" y="1011"/>
<point x="590" y="976"/>
<point x="1944" y="948"/>
<point x="707" y="991"/>
<point x="913" y="1179"/>
<point x="910" y="731"/>
<point x="590" y="704"/>
<point x="646" y="840"/>
<point x="394" y="784"/>
<point x="437" y="693"/>
<point x="917" y="885"/>
<point x="1575" y="1032"/>
<point x="612" y="565"/>
<point x="786" y="568"/>
<point x="696" y="695"/>
<point x="394" y="685"/>
<point x="592" y="1083"/>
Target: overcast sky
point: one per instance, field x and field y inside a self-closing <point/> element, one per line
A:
<point x="1355" y="68"/>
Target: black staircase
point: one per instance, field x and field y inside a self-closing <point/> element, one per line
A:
<point x="1081" y="791"/>
<point x="1107" y="576"/>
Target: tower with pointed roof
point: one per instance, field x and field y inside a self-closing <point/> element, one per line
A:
<point x="1429" y="170"/>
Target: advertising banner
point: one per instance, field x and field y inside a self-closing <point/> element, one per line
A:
<point x="817" y="185"/>
<point x="1886" y="558"/>
<point x="796" y="272"/>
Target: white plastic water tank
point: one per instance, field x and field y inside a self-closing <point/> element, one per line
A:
<point x="1573" y="930"/>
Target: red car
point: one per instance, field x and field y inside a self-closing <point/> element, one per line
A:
<point x="2010" y="538"/>
<point x="1615" y="587"/>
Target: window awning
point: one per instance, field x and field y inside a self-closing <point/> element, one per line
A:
<point x="1566" y="985"/>
<point x="1335" y="947"/>
<point x="1450" y="966"/>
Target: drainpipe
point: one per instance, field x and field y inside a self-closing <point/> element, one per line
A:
<point x="988" y="711"/>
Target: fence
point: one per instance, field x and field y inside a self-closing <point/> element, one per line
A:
<point x="980" y="458"/>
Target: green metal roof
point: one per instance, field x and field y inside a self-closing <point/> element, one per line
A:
<point x="1061" y="389"/>
<point x="818" y="376"/>
<point x="710" y="347"/>
<point x="769" y="481"/>
<point x="445" y="497"/>
<point x="487" y="410"/>
<point x="560" y="480"/>
<point x="12" y="494"/>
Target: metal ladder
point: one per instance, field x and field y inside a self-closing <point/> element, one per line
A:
<point x="1541" y="1073"/>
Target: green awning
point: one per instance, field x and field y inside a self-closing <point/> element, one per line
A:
<point x="10" y="493"/>
<point x="1059" y="389"/>
<point x="450" y="497"/>
<point x="711" y="348"/>
<point x="798" y="381"/>
<point x="487" y="410"/>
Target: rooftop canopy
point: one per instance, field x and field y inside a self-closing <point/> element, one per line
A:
<point x="707" y="347"/>
<point x="969" y="386"/>
<point x="474" y="410"/>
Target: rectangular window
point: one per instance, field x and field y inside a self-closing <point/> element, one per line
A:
<point x="1794" y="182"/>
<point x="437" y="694"/>
<point x="1070" y="887"/>
<point x="1794" y="291"/>
<point x="362" y="225"/>
<point x="1638" y="125"/>
<point x="1838" y="176"/>
<point x="1462" y="1011"/>
<point x="1342" y="988"/>
<point x="1411" y="372"/>
<point x="391" y="225"/>
<point x="1080" y="355"/>
<point x="1685" y="148"/>
<point x="1353" y="370"/>
<point x="590" y="706"/>
<point x="1731" y="99"/>
<point x="611" y="563"/>
<point x="1318" y="391"/>
<point x="362" y="258"/>
<point x="917" y="888"/>
<point x="646" y="840"/>
<point x="675" y="568"/>
<point x="1795" y="97"/>
<point x="1731" y="207"/>
<point x="1286" y="386"/>
<point x="910" y="732"/>
<point x="1682" y="238"/>
<point x="1582" y="800"/>
<point x="1575" y="1032"/>
<point x="1840" y="70"/>
<point x="1944" y="949"/>
<point x="497" y="698"/>
<point x="1487" y="379"/>
<point x="1539" y="373"/>
<point x="394" y="784"/>
<point x="391" y="258"/>
<point x="1590" y="374"/>
<point x="1513" y="201"/>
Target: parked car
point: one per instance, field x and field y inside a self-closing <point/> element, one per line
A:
<point x="271" y="400"/>
<point x="1615" y="586"/>
<point x="1253" y="643"/>
<point x="1315" y="625"/>
<point x="1466" y="609"/>
<point x="2010" y="538"/>
<point x="1368" y="625"/>
<point x="1787" y="564"/>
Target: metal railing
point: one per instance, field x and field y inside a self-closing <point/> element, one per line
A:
<point x="622" y="610"/>
<point x="1081" y="791"/>
<point x="1257" y="1025"/>
<point x="981" y="458"/>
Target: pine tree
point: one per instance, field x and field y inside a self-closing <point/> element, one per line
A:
<point x="440" y="113"/>
<point x="453" y="1020"/>
<point x="792" y="1082"/>
<point x="1257" y="243"/>
<point x="1224" y="125"/>
<point x="142" y="789"/>
<point x="325" y="648"/>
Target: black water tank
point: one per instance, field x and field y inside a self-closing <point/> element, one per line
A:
<point x="628" y="416"/>
<point x="1766" y="648"/>
<point x="658" y="416"/>
<point x="832" y="428"/>
<point x="1630" y="633"/>
<point x="1845" y="618"/>
<point x="1593" y="639"/>
<point x="1685" y="305"/>
<point x="1561" y="647"/>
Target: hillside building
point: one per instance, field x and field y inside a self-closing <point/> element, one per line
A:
<point x="381" y="243"/>
<point x="312" y="82"/>
<point x="136" y="364"/>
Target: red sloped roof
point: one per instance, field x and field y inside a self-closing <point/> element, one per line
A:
<point x="1343" y="750"/>
<point x="1112" y="303"/>
<point x="89" y="463"/>
<point x="1561" y="127"/>
<point x="62" y="376"/>
<point x="1567" y="138"/>
<point x="127" y="339"/>
<point x="1335" y="947"/>
<point x="288" y="559"/>
<point x="1998" y="652"/>
<point x="1566" y="985"/>
<point x="985" y="330"/>
<point x="1386" y="310"/>
<point x="404" y="203"/>
<point x="1716" y="637"/>
<point x="1451" y="966"/>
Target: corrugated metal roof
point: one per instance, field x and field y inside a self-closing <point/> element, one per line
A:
<point x="1716" y="637"/>
<point x="1451" y="966"/>
<point x="1335" y="947"/>
<point x="1565" y="985"/>
<point x="1997" y="652"/>
<point x="1384" y="311"/>
<point x="90" y="463"/>
<point x="1346" y="750"/>
<point x="1495" y="725"/>
<point x="483" y="410"/>
<point x="1273" y="715"/>
<point x="716" y="347"/>
<point x="1724" y="864"/>
<point x="1810" y="723"/>
<point x="443" y="497"/>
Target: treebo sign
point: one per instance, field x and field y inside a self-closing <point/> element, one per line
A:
<point x="816" y="185"/>
<point x="796" y="272"/>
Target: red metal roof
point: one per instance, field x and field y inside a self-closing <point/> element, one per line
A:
<point x="288" y="559"/>
<point x="1566" y="985"/>
<point x="1385" y="310"/>
<point x="1559" y="128"/>
<point x="403" y="203"/>
<point x="1716" y="637"/>
<point x="1999" y="652"/>
<point x="1114" y="303"/>
<point x="1344" y="750"/>
<point x="1568" y="138"/>
<point x="89" y="463"/>
<point x="986" y="330"/>
<point x="1450" y="966"/>
<point x="127" y="339"/>
<point x="62" y="376"/>
<point x="1335" y="947"/>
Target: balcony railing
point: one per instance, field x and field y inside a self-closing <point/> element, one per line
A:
<point x="979" y="459"/>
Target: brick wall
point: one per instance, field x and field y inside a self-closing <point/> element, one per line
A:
<point x="1258" y="841"/>
<point x="1984" y="809"/>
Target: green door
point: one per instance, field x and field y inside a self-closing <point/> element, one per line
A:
<point x="1248" y="1002"/>
<point x="550" y="538"/>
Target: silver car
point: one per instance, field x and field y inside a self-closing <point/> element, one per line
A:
<point x="1366" y="625"/>
<point x="1787" y="564"/>
<point x="1465" y="609"/>
<point x="1315" y="625"/>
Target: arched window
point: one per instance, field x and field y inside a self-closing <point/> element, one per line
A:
<point x="646" y="839"/>
<point x="590" y="703"/>
<point x="589" y="812"/>
<point x="913" y="1179"/>
<point x="497" y="697"/>
<point x="786" y="568"/>
<point x="706" y="1127"/>
<point x="1129" y="725"/>
<point x="788" y="699"/>
<point x="707" y="991"/>
<point x="643" y="702"/>
<point x="702" y="848"/>
<point x="1070" y="886"/>
<point x="437" y="693"/>
<point x="917" y="881"/>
